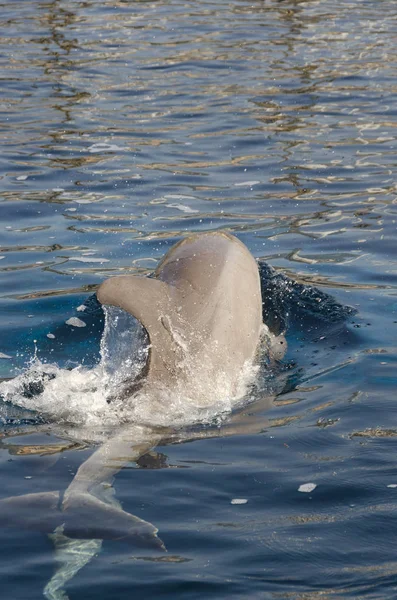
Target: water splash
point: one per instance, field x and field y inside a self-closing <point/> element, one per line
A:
<point x="96" y="400"/>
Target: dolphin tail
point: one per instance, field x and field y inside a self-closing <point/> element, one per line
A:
<point x="33" y="511"/>
<point x="88" y="517"/>
<point x="83" y="516"/>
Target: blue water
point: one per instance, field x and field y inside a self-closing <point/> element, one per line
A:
<point x="128" y="125"/>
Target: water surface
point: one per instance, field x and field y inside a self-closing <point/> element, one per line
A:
<point x="128" y="125"/>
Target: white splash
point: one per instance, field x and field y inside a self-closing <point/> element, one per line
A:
<point x="75" y="322"/>
<point x="79" y="398"/>
<point x="307" y="487"/>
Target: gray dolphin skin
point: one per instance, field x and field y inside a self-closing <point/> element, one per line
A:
<point x="202" y="311"/>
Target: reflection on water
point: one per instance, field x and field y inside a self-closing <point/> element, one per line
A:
<point x="128" y="125"/>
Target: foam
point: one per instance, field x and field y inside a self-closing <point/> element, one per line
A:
<point x="80" y="397"/>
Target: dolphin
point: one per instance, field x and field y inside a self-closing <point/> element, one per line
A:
<point x="202" y="311"/>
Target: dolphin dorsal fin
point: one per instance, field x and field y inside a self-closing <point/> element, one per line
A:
<point x="148" y="300"/>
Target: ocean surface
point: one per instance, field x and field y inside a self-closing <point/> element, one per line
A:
<point x="125" y="126"/>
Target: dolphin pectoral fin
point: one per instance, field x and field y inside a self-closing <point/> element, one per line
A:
<point x="143" y="297"/>
<point x="149" y="301"/>
<point x="38" y="511"/>
<point x="88" y="517"/>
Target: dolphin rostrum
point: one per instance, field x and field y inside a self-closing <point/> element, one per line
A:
<point x="202" y="311"/>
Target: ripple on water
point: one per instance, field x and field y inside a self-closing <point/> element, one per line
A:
<point x="127" y="126"/>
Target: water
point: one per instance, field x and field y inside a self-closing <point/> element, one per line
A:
<point x="125" y="126"/>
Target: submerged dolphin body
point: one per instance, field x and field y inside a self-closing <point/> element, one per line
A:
<point x="202" y="311"/>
